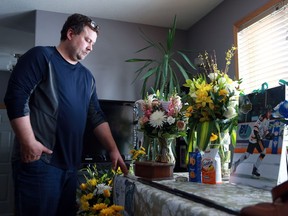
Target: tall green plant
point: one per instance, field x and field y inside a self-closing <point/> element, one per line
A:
<point x="166" y="70"/>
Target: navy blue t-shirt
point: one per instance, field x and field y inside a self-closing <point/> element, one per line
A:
<point x="59" y="97"/>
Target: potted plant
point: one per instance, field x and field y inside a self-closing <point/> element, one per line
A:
<point x="166" y="72"/>
<point x="167" y="69"/>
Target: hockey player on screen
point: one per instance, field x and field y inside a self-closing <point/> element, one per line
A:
<point x="260" y="131"/>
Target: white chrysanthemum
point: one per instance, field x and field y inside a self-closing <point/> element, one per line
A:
<point x="100" y="189"/>
<point x="157" y="119"/>
<point x="170" y="120"/>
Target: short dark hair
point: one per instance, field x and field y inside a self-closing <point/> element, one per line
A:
<point x="77" y="22"/>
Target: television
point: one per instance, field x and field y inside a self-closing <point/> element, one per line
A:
<point x="122" y="121"/>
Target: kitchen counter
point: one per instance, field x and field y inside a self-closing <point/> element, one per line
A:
<point x="170" y="197"/>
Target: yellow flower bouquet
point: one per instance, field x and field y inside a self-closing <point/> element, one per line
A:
<point x="94" y="196"/>
<point x="138" y="154"/>
<point x="211" y="102"/>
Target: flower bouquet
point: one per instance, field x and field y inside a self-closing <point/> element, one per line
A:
<point x="212" y="104"/>
<point x="164" y="120"/>
<point x="94" y="197"/>
<point x="138" y="154"/>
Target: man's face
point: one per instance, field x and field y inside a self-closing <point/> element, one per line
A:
<point x="269" y="114"/>
<point x="82" y="44"/>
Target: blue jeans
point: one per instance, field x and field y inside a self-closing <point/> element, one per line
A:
<point x="42" y="189"/>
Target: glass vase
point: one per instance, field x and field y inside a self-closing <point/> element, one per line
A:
<point x="225" y="155"/>
<point x="165" y="153"/>
<point x="150" y="144"/>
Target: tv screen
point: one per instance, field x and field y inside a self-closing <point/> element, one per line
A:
<point x="120" y="116"/>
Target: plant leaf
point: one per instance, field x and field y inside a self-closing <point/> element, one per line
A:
<point x="147" y="47"/>
<point x="149" y="73"/>
<point x="187" y="59"/>
<point x="181" y="69"/>
<point x="171" y="35"/>
<point x="149" y="41"/>
<point x="139" y="60"/>
<point x="140" y="70"/>
<point x="204" y="130"/>
<point x="233" y="136"/>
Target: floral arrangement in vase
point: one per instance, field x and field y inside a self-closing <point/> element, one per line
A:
<point x="137" y="154"/>
<point x="164" y="120"/>
<point x="94" y="196"/>
<point x="212" y="104"/>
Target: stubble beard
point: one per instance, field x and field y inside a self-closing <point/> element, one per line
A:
<point x="81" y="56"/>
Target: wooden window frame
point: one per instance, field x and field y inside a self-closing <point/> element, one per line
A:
<point x="246" y="19"/>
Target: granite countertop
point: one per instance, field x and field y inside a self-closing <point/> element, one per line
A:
<point x="171" y="197"/>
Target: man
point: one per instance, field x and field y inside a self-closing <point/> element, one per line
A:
<point x="49" y="97"/>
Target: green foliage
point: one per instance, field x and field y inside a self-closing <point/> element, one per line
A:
<point x="94" y="196"/>
<point x="167" y="70"/>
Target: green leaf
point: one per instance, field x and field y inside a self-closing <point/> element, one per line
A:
<point x="163" y="49"/>
<point x="171" y="35"/>
<point x="204" y="130"/>
<point x="143" y="90"/>
<point x="174" y="80"/>
<point x="140" y="70"/>
<point x="233" y="136"/>
<point x="181" y="69"/>
<point x="149" y="73"/>
<point x="145" y="48"/>
<point x="149" y="41"/>
<point x="187" y="60"/>
<point x="139" y="60"/>
<point x="165" y="65"/>
<point x="191" y="142"/>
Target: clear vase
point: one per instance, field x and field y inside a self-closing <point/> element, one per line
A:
<point x="225" y="155"/>
<point x="165" y="152"/>
<point x="225" y="171"/>
<point x="150" y="144"/>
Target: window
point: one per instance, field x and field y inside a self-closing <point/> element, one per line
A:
<point x="262" y="41"/>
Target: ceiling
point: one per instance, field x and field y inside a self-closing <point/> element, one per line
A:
<point x="17" y="15"/>
<point x="150" y="12"/>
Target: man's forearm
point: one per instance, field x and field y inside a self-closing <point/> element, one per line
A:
<point x="22" y="129"/>
<point x="103" y="133"/>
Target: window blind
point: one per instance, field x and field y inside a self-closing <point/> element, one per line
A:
<point x="263" y="49"/>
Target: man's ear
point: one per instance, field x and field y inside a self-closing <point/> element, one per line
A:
<point x="70" y="34"/>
